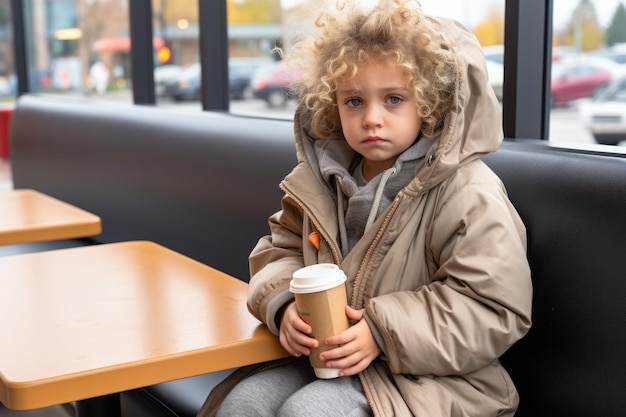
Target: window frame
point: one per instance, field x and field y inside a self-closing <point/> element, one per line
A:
<point x="527" y="67"/>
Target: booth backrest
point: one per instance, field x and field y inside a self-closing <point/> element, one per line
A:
<point x="200" y="183"/>
<point x="574" y="206"/>
<point x="204" y="184"/>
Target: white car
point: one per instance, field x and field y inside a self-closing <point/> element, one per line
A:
<point x="605" y="114"/>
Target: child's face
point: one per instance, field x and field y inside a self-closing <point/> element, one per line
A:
<point x="378" y="114"/>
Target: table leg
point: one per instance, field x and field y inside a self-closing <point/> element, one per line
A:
<point x="105" y="406"/>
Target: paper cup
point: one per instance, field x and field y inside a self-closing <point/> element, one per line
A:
<point x="321" y="300"/>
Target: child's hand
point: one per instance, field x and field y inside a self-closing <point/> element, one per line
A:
<point x="357" y="347"/>
<point x="294" y="333"/>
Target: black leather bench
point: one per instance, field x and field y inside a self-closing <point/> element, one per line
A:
<point x="204" y="184"/>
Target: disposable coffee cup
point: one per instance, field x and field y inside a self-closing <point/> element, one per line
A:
<point x="321" y="301"/>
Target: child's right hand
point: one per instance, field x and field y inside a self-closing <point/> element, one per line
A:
<point x="294" y="333"/>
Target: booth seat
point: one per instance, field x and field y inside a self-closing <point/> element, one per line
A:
<point x="204" y="184"/>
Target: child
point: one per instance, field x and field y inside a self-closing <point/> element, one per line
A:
<point x="395" y="112"/>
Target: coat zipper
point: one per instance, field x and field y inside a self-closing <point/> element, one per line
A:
<point x="335" y="253"/>
<point x="316" y="223"/>
<point x="359" y="276"/>
<point x="370" y="250"/>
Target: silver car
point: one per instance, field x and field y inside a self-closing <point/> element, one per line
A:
<point x="605" y="113"/>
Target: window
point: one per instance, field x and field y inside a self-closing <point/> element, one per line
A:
<point x="176" y="66"/>
<point x="8" y="79"/>
<point x="588" y="72"/>
<point x="83" y="48"/>
<point x="78" y="47"/>
<point x="255" y="27"/>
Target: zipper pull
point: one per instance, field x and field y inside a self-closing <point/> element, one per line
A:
<point x="314" y="238"/>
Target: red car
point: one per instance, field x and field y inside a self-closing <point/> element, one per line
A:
<point x="272" y="84"/>
<point x="580" y="78"/>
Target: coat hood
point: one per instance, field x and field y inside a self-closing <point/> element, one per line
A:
<point x="472" y="128"/>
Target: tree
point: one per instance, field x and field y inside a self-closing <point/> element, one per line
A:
<point x="583" y="31"/>
<point x="239" y="11"/>
<point x="171" y="11"/>
<point x="616" y="32"/>
<point x="491" y="30"/>
<point x="253" y="11"/>
<point x="4" y="14"/>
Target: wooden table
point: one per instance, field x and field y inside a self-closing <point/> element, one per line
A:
<point x="30" y="216"/>
<point x="90" y="321"/>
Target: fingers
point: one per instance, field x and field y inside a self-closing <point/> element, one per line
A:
<point x="293" y="319"/>
<point x="356" y="349"/>
<point x="353" y="314"/>
<point x="293" y="346"/>
<point x="294" y="333"/>
<point x="350" y="363"/>
<point x="352" y="370"/>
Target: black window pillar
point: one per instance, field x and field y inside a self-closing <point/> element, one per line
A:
<point x="527" y="67"/>
<point x="19" y="46"/>
<point x="214" y="54"/>
<point x="142" y="51"/>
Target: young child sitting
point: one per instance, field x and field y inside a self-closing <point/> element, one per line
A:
<point x="395" y="113"/>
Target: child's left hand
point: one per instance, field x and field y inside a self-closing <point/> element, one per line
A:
<point x="357" y="347"/>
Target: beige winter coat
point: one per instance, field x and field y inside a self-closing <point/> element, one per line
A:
<point x="442" y="273"/>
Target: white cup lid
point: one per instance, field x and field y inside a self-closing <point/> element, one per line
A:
<point x="318" y="277"/>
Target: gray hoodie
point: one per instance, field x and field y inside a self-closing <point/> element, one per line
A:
<point x="360" y="202"/>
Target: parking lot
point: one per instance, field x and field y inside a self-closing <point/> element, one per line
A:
<point x="566" y="126"/>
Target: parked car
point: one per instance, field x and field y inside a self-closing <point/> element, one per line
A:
<point x="581" y="77"/>
<point x="616" y="53"/>
<point x="605" y="114"/>
<point x="166" y="79"/>
<point x="272" y="83"/>
<point x="187" y="86"/>
<point x="240" y="71"/>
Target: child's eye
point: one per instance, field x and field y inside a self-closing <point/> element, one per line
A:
<point x="394" y="100"/>
<point x="353" y="102"/>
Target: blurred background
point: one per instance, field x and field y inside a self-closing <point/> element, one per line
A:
<point x="82" y="47"/>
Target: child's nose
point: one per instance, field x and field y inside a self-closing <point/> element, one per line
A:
<point x="372" y="117"/>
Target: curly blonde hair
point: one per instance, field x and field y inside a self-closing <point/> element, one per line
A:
<point x="393" y="29"/>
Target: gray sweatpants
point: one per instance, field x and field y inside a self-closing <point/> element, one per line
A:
<point x="293" y="390"/>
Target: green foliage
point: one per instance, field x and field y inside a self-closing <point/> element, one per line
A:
<point x="253" y="11"/>
<point x="583" y="31"/>
<point x="616" y="32"/>
<point x="239" y="11"/>
<point x="4" y="14"/>
<point x="491" y="30"/>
